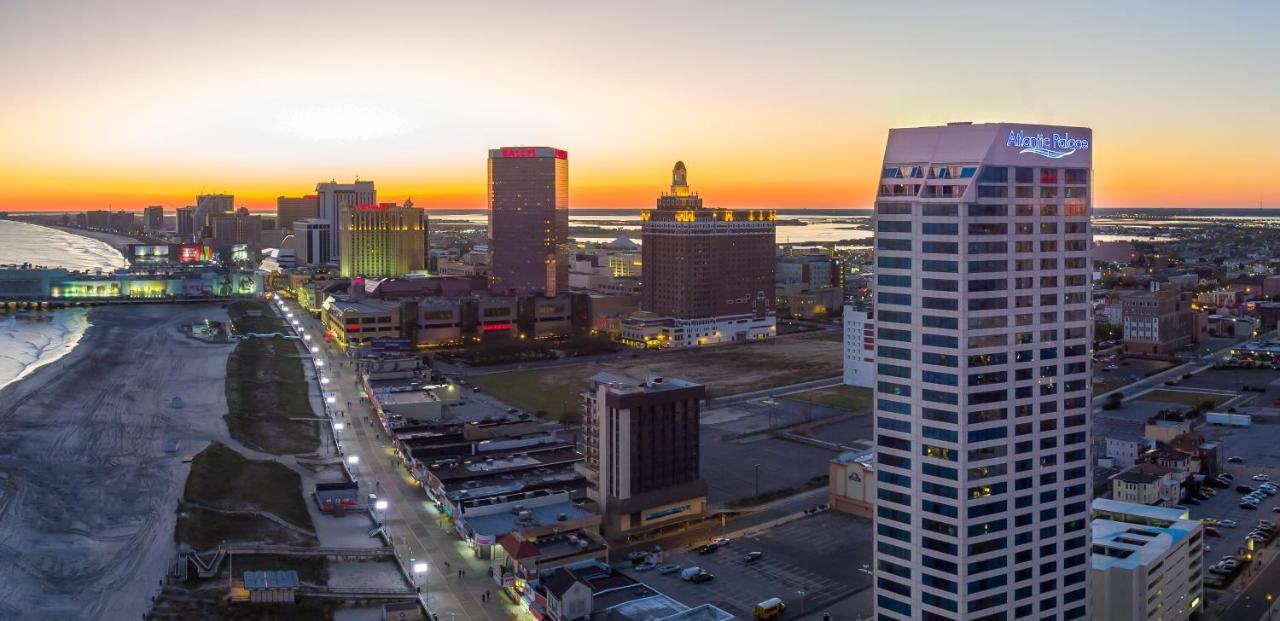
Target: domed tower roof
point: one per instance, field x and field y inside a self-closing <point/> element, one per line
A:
<point x="679" y="180"/>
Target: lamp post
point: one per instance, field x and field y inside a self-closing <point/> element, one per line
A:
<point x="419" y="569"/>
<point x="757" y="469"/>
<point x="380" y="511"/>
<point x="353" y="461"/>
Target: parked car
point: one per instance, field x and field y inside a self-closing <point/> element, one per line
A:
<point x="1244" y="504"/>
<point x="1210" y="531"/>
<point x="1208" y="521"/>
<point x="1244" y="489"/>
<point x="752" y="557"/>
<point x="1262" y="477"/>
<point x="702" y="577"/>
<point x="645" y="566"/>
<point x="707" y="549"/>
<point x="1227" y="523"/>
<point x="1235" y="459"/>
<point x="636" y="555"/>
<point x="475" y="389"/>
<point x="669" y="568"/>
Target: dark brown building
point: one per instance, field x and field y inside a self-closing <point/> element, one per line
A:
<point x="707" y="268"/>
<point x="528" y="220"/>
<point x="641" y="448"/>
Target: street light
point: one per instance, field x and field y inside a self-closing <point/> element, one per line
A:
<point x="339" y="426"/>
<point x="353" y="461"/>
<point x="324" y="380"/>
<point x="315" y="349"/>
<point x="757" y="468"/>
<point x="319" y="363"/>
<point x="418" y="570"/>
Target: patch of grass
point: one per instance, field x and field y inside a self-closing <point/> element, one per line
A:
<point x="724" y="369"/>
<point x="751" y="501"/>
<point x="1183" y="398"/>
<point x="853" y="398"/>
<point x="203" y="529"/>
<point x="266" y="387"/>
<point x="834" y="336"/>
<point x="224" y="479"/>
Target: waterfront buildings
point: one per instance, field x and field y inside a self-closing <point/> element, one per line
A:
<point x="185" y="222"/>
<point x="982" y="377"/>
<point x="290" y="209"/>
<point x="237" y="228"/>
<point x="528" y="220"/>
<point x="332" y="198"/>
<point x="859" y="347"/>
<point x="311" y="239"/>
<point x="209" y="206"/>
<point x="641" y="448"/>
<point x="708" y="273"/>
<point x="153" y="219"/>
<point x="1147" y="563"/>
<point x="382" y="239"/>
<point x="20" y="284"/>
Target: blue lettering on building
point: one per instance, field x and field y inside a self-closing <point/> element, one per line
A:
<point x="1053" y="146"/>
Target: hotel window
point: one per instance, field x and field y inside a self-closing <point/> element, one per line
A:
<point x="1024" y="211"/>
<point x="939" y="210"/>
<point x="1077" y="176"/>
<point x="994" y="174"/>
<point x="1024" y="175"/>
<point x="1049" y="176"/>
<point x="1048" y="192"/>
<point x="894" y="209"/>
<point x="885" y="243"/>
<point x="938" y="247"/>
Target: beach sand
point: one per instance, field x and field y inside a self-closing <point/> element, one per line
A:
<point x="87" y="489"/>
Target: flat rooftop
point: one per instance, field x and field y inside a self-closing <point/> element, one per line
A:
<point x="1270" y="347"/>
<point x="1124" y="545"/>
<point x="498" y="524"/>
<point x="1110" y="509"/>
<point x="626" y="384"/>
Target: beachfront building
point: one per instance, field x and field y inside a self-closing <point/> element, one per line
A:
<point x="708" y="273"/>
<point x="33" y="284"/>
<point x="383" y="239"/>
<point x="1147" y="562"/>
<point x="528" y="220"/>
<point x="153" y="219"/>
<point x="982" y="373"/>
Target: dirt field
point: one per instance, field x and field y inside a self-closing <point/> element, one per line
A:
<point x="852" y="398"/>
<point x="1182" y="398"/>
<point x="725" y="370"/>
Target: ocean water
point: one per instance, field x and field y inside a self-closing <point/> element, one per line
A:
<point x="31" y="339"/>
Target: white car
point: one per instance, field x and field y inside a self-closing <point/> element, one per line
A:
<point x="1228" y="523"/>
<point x="1261" y="477"/>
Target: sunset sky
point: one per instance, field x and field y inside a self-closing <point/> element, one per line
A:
<point x="125" y="104"/>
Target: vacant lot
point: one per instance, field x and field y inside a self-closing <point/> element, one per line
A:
<point x="725" y="370"/>
<point x="853" y="398"/>
<point x="228" y="497"/>
<point x="1183" y="398"/>
<point x="266" y="387"/>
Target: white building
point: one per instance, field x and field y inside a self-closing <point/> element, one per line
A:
<point x="1148" y="562"/>
<point x="983" y="327"/>
<point x="332" y="198"/>
<point x="859" y="348"/>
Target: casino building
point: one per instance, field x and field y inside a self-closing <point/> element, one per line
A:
<point x="528" y="221"/>
<point x="707" y="273"/>
<point x="982" y="375"/>
<point x="382" y="239"/>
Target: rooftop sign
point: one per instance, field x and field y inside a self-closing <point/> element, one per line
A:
<point x="1053" y="146"/>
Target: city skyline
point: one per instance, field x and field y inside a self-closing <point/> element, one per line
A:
<point x="775" y="109"/>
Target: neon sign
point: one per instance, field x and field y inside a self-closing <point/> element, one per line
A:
<point x="495" y="327"/>
<point x="532" y="152"/>
<point x="1053" y="146"/>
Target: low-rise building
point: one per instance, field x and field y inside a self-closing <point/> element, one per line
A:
<point x="1158" y="322"/>
<point x="1147" y="563"/>
<point x="851" y="482"/>
<point x="1147" y="484"/>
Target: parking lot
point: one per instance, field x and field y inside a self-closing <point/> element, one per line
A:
<point x="809" y="563"/>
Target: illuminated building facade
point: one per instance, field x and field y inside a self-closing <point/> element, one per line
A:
<point x="983" y="396"/>
<point x="311" y="238"/>
<point x="382" y="239"/>
<point x="528" y="220"/>
<point x="707" y="273"/>
<point x="290" y="209"/>
<point x="238" y="228"/>
<point x="332" y="198"/>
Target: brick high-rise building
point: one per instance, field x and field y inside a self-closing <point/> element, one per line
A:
<point x="707" y="273"/>
<point x="528" y="220"/>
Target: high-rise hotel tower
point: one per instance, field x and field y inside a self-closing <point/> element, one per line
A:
<point x="528" y="220"/>
<point x="982" y="373"/>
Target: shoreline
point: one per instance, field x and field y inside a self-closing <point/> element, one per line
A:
<point x="115" y="240"/>
<point x="88" y="475"/>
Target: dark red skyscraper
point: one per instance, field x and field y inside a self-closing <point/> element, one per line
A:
<point x="528" y="220"/>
